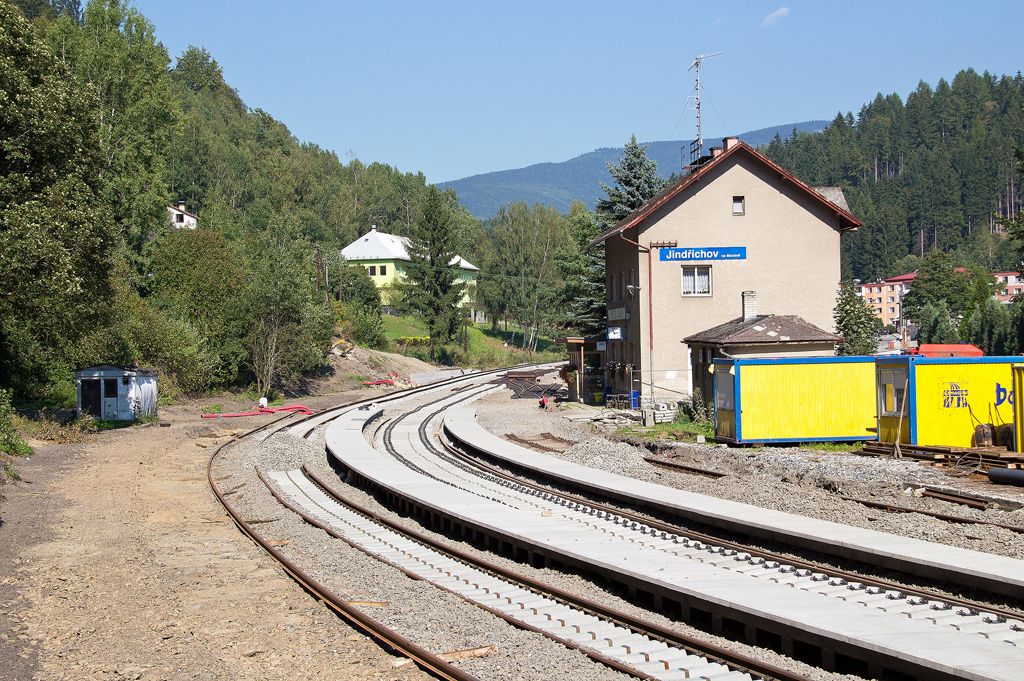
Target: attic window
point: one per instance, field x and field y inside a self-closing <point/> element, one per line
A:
<point x="738" y="205"/>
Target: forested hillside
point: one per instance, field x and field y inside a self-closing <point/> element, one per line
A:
<point x="99" y="134"/>
<point x="937" y="170"/>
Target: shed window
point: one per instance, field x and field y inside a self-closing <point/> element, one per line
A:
<point x="893" y="391"/>
<point x="738" y="205"/>
<point x="383" y="270"/>
<point x="372" y="270"/>
<point x="724" y="398"/>
<point x="696" y="280"/>
<point x="179" y="217"/>
<point x="109" y="387"/>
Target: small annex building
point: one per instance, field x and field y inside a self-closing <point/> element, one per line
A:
<point x="384" y="256"/>
<point x="181" y="218"/>
<point x="114" y="393"/>
<point x="735" y="222"/>
<point x="753" y="335"/>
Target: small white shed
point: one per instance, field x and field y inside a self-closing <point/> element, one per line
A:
<point x="112" y="393"/>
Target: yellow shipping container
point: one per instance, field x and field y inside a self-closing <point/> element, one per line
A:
<point x="945" y="401"/>
<point x="795" y="399"/>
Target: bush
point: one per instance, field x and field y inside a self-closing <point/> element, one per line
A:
<point x="368" y="327"/>
<point x="10" y="441"/>
<point x="695" y="410"/>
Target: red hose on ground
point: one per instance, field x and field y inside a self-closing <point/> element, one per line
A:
<point x="259" y="411"/>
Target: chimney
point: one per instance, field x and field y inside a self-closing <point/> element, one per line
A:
<point x="373" y="228"/>
<point x="181" y="205"/>
<point x="730" y="142"/>
<point x="749" y="305"/>
<point x="715" y="151"/>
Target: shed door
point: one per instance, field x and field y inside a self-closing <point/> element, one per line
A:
<point x="91" y="401"/>
<point x="109" y="398"/>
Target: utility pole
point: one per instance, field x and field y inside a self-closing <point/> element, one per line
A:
<point x="697" y="146"/>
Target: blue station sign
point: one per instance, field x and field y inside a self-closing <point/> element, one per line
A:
<point x="703" y="253"/>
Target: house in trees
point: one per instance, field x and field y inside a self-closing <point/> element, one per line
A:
<point x="384" y="256"/>
<point x="678" y="264"/>
<point x="181" y="218"/>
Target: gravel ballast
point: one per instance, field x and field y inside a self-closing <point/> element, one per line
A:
<point x="435" y="619"/>
<point x="800" y="481"/>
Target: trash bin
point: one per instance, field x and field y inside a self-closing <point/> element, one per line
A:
<point x="634" y="399"/>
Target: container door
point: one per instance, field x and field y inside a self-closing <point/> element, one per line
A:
<point x="92" y="403"/>
<point x="893" y="407"/>
<point x="109" y="398"/>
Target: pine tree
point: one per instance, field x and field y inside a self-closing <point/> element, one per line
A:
<point x="431" y="285"/>
<point x="990" y="328"/>
<point x="636" y="182"/>
<point x="582" y="270"/>
<point x="855" y="323"/>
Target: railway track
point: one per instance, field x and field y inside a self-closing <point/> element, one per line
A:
<point x="419" y="455"/>
<point x="409" y="441"/>
<point x="434" y="663"/>
<point x="611" y="637"/>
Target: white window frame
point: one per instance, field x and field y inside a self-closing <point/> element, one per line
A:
<point x="694" y="294"/>
<point x="742" y="204"/>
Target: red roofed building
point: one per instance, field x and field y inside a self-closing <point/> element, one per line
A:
<point x="1008" y="286"/>
<point x="885" y="298"/>
<point x="677" y="265"/>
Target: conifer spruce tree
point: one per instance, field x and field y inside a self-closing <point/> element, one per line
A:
<point x="636" y="182"/>
<point x="855" y="323"/>
<point x="431" y="285"/>
<point x="582" y="270"/>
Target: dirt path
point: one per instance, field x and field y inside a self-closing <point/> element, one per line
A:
<point x="117" y="561"/>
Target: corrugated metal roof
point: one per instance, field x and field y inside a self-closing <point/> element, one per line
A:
<point x="764" y="329"/>
<point x="376" y="245"/>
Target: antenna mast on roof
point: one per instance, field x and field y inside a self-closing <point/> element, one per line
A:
<point x="697" y="145"/>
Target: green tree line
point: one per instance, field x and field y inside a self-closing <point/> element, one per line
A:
<point x="933" y="171"/>
<point x="101" y="132"/>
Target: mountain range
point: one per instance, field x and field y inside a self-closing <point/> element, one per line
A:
<point x="559" y="184"/>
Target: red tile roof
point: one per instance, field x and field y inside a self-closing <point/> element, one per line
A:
<point x="846" y="220"/>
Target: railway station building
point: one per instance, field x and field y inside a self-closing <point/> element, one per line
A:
<point x="679" y="265"/>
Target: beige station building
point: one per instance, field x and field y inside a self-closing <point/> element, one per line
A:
<point x="680" y="264"/>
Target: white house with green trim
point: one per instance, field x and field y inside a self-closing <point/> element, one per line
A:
<point x="384" y="257"/>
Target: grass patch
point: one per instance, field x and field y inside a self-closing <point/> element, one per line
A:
<point x="834" y="446"/>
<point x="687" y="430"/>
<point x="484" y="347"/>
<point x="49" y="429"/>
<point x="111" y="424"/>
<point x="399" y="327"/>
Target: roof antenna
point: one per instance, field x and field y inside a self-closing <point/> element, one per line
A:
<point x="697" y="145"/>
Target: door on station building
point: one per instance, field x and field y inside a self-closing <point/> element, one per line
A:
<point x="91" y="402"/>
<point x="109" y="398"/>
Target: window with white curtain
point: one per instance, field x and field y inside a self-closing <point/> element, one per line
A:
<point x="696" y="280"/>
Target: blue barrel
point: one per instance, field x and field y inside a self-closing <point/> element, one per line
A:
<point x="634" y="399"/>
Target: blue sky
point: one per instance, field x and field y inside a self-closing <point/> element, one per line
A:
<point x="458" y="88"/>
